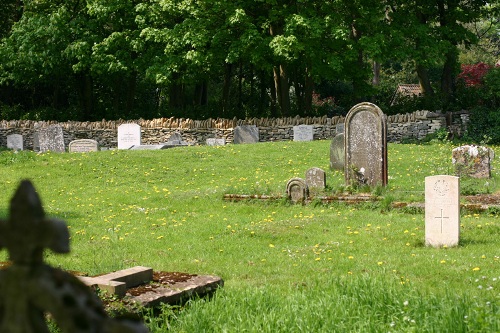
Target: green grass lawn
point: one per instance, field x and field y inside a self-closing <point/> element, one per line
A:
<point x="286" y="268"/>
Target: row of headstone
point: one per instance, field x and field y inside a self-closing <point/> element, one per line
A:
<point x="299" y="189"/>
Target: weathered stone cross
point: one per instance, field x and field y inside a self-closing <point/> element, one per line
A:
<point x="29" y="288"/>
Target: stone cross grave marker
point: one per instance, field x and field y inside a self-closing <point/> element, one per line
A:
<point x="366" y="145"/>
<point x="442" y="210"/>
<point x="83" y="146"/>
<point x="303" y="133"/>
<point x="297" y="190"/>
<point x="51" y="139"/>
<point x="315" y="179"/>
<point x="15" y="141"/>
<point x="246" y="134"/>
<point x="129" y="135"/>
<point x="337" y="152"/>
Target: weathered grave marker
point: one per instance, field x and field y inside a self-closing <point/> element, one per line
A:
<point x="83" y="146"/>
<point x="473" y="161"/>
<point x="442" y="210"/>
<point x="337" y="152"/>
<point x="366" y="145"/>
<point x="51" y="139"/>
<point x="246" y="134"/>
<point x="297" y="190"/>
<point x="216" y="142"/>
<point x="315" y="179"/>
<point x="339" y="128"/>
<point x="129" y="135"/>
<point x="303" y="133"/>
<point x="15" y="141"/>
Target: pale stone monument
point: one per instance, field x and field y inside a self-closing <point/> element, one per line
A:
<point x="366" y="145"/>
<point x="246" y="134"/>
<point x="297" y="190"/>
<point x="216" y="142"/>
<point x="51" y="139"/>
<point x="316" y="179"/>
<point x="473" y="161"/>
<point x="442" y="210"/>
<point x="129" y="135"/>
<point x="83" y="146"/>
<point x="15" y="141"/>
<point x="303" y="133"/>
<point x="337" y="152"/>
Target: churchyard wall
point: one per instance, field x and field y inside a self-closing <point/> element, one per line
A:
<point x="414" y="125"/>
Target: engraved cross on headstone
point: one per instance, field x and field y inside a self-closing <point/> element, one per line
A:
<point x="441" y="217"/>
<point x="29" y="288"/>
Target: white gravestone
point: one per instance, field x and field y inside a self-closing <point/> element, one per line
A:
<point x="129" y="135"/>
<point x="83" y="146"/>
<point x="303" y="133"/>
<point x="15" y="141"/>
<point x="216" y="142"/>
<point x="442" y="210"/>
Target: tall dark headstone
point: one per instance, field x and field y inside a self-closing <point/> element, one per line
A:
<point x="337" y="152"/>
<point x="366" y="145"/>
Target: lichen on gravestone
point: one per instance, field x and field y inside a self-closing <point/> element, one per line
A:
<point x="29" y="288"/>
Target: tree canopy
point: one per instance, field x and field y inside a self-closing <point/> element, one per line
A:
<point x="89" y="60"/>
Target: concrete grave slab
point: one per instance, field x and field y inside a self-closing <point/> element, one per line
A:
<point x="442" y="210"/>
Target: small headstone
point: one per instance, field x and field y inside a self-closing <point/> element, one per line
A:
<point x="51" y="139"/>
<point x="442" y="210"/>
<point x="246" y="134"/>
<point x="339" y="128"/>
<point x="315" y="179"/>
<point x="216" y="142"/>
<point x="15" y="141"/>
<point x="297" y="190"/>
<point x="129" y="135"/>
<point x="366" y="145"/>
<point x="83" y="146"/>
<point x="473" y="161"/>
<point x="303" y="133"/>
<point x="337" y="152"/>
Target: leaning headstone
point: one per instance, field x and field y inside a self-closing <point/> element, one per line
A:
<point x="337" y="152"/>
<point x="129" y="135"/>
<point x="15" y="141"/>
<point x="216" y="142"/>
<point x="83" y="146"/>
<point x="473" y="161"/>
<point x="246" y="134"/>
<point x="297" y="190"/>
<point x="316" y="179"/>
<point x="442" y="210"/>
<point x="303" y="133"/>
<point x="51" y="139"/>
<point x="366" y="145"/>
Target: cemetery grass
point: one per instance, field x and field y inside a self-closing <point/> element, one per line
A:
<point x="286" y="268"/>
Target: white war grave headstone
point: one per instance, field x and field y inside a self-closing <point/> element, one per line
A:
<point x="246" y="134"/>
<point x="365" y="145"/>
<point x="303" y="133"/>
<point x="442" y="210"/>
<point x="15" y="142"/>
<point x="83" y="146"/>
<point x="51" y="139"/>
<point x="129" y="135"/>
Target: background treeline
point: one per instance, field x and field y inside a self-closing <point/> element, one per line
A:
<point x="94" y="59"/>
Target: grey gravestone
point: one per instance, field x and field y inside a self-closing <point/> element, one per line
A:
<point x="297" y="190"/>
<point x="51" y="139"/>
<point x="442" y="210"/>
<point x="15" y="141"/>
<point x="337" y="152"/>
<point x="366" y="145"/>
<point x="216" y="142"/>
<point x="129" y="135"/>
<point x="473" y="161"/>
<point x="339" y="128"/>
<point x="246" y="134"/>
<point x="83" y="146"/>
<point x="315" y="178"/>
<point x="303" y="133"/>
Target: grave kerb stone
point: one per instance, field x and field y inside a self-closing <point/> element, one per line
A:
<point x="442" y="210"/>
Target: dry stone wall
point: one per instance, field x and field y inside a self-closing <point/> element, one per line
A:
<point x="415" y="125"/>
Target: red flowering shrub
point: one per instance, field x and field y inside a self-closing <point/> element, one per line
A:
<point x="472" y="75"/>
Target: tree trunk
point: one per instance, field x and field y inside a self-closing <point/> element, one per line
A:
<point x="376" y="73"/>
<point x="226" y="88"/>
<point x="282" y="90"/>
<point x="131" y="90"/>
<point x="308" y="92"/>
<point x="423" y="79"/>
<point x="86" y="93"/>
